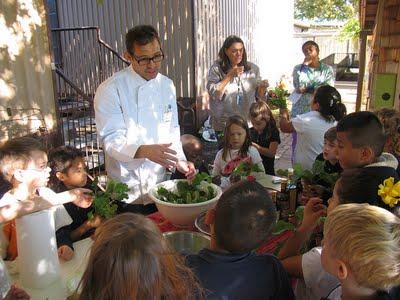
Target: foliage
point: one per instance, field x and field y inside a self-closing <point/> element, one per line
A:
<point x="104" y="203"/>
<point x="350" y="30"/>
<point x="317" y="173"/>
<point x="199" y="190"/>
<point x="278" y="97"/>
<point x="245" y="168"/>
<point x="320" y="10"/>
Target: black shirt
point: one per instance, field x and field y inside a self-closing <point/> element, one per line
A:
<point x="329" y="168"/>
<point x="240" y="276"/>
<point x="270" y="134"/>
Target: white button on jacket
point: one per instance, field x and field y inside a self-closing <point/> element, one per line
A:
<point x="131" y="111"/>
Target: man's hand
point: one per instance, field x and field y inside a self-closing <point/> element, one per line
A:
<point x="161" y="154"/>
<point x="313" y="210"/>
<point x="187" y="168"/>
<point x="81" y="197"/>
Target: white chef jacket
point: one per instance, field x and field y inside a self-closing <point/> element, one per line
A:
<point x="131" y="111"/>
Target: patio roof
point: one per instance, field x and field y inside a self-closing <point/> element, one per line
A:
<point x="368" y="9"/>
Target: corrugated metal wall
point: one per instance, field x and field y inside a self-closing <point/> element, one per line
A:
<point x="172" y="18"/>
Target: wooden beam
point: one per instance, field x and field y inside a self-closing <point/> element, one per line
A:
<point x="361" y="70"/>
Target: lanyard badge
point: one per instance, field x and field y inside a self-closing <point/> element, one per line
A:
<point x="167" y="114"/>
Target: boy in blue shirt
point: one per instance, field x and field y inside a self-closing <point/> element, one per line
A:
<point x="240" y="223"/>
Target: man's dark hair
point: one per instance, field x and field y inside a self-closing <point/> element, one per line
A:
<point x="60" y="160"/>
<point x="141" y="35"/>
<point x="244" y="217"/>
<point x="363" y="129"/>
<point x="360" y="185"/>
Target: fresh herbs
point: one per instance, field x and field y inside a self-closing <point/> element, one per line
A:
<point x="199" y="190"/>
<point x="104" y="203"/>
<point x="277" y="97"/>
<point x="316" y="174"/>
<point x="245" y="168"/>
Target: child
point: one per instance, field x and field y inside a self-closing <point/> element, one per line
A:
<point x="329" y="153"/>
<point x="68" y="171"/>
<point x="130" y="259"/>
<point x="193" y="149"/>
<point x="264" y="134"/>
<point x="361" y="140"/>
<point x="23" y="163"/>
<point x="362" y="250"/>
<point x="390" y="119"/>
<point x="326" y="109"/>
<point x="230" y="269"/>
<point x="237" y="147"/>
<point x="354" y="186"/>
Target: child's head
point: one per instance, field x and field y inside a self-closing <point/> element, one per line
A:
<point x="130" y="259"/>
<point x="358" y="185"/>
<point x="243" y="218"/>
<point x="236" y="136"/>
<point x="193" y="148"/>
<point x="24" y="160"/>
<point x="360" y="138"/>
<point x="260" y="115"/>
<point x="328" y="102"/>
<point x="390" y="119"/>
<point x="67" y="167"/>
<point x="330" y="145"/>
<point x="362" y="246"/>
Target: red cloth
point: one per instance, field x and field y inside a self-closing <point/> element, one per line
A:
<point x="268" y="247"/>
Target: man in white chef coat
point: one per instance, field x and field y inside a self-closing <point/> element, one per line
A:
<point x="137" y="119"/>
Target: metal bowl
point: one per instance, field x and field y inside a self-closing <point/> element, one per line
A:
<point x="187" y="242"/>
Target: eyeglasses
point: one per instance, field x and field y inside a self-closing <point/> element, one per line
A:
<point x="146" y="60"/>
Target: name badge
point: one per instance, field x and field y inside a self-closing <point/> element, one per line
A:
<point x="167" y="114"/>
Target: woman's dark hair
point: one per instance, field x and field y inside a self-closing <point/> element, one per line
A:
<point x="237" y="120"/>
<point x="142" y="35"/>
<point x="312" y="43"/>
<point x="224" y="62"/>
<point x="330" y="103"/>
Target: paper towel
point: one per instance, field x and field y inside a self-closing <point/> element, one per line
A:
<point x="39" y="266"/>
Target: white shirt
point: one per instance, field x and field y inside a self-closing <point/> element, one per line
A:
<point x="220" y="163"/>
<point x="317" y="282"/>
<point x="310" y="128"/>
<point x="131" y="111"/>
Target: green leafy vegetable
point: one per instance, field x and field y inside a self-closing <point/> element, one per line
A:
<point x="245" y="168"/>
<point x="189" y="193"/>
<point x="316" y="174"/>
<point x="282" y="226"/>
<point x="104" y="203"/>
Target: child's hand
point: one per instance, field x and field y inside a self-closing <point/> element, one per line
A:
<point x="81" y="197"/>
<point x="313" y="210"/>
<point x="94" y="222"/>
<point x="65" y="253"/>
<point x="16" y="293"/>
<point x="255" y="145"/>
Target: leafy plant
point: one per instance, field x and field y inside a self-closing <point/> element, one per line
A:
<point x="278" y="97"/>
<point x="199" y="190"/>
<point x="245" y="168"/>
<point x="316" y="174"/>
<point x="104" y="203"/>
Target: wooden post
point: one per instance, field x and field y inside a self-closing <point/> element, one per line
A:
<point x="361" y="70"/>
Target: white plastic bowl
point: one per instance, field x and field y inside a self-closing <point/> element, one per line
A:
<point x="182" y="215"/>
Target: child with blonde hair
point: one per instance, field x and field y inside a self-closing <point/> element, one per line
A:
<point x="130" y="259"/>
<point x="264" y="134"/>
<point x="362" y="249"/>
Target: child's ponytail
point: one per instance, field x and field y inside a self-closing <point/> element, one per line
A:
<point x="330" y="103"/>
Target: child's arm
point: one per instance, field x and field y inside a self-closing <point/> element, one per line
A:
<point x="270" y="151"/>
<point x="312" y="212"/>
<point x="285" y="125"/>
<point x="217" y="169"/>
<point x="85" y="227"/>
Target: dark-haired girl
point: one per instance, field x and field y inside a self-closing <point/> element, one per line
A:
<point x="236" y="149"/>
<point x="326" y="109"/>
<point x="233" y="83"/>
